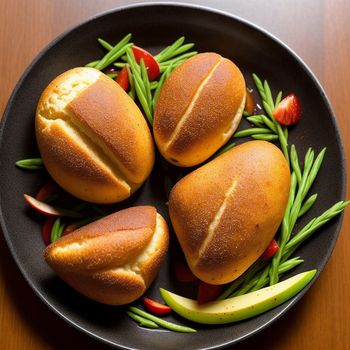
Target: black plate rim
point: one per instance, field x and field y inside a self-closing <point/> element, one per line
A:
<point x="302" y="64"/>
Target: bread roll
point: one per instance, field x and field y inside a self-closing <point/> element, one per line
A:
<point x="115" y="259"/>
<point x="92" y="137"/>
<point x="199" y="108"/>
<point x="226" y="213"/>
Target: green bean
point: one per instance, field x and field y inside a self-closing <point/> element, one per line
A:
<point x="269" y="123"/>
<point x="153" y="85"/>
<point x="143" y="322"/>
<point x="179" y="58"/>
<point x="295" y="163"/>
<point x="307" y="205"/>
<point x="256" y="120"/>
<point x="119" y="64"/>
<point x="251" y="131"/>
<point x="168" y="325"/>
<point x="278" y="98"/>
<point x="92" y="64"/>
<point x="117" y="51"/>
<point x="226" y="148"/>
<point x="132" y="92"/>
<point x="167" y="52"/>
<point x="317" y="222"/>
<point x="112" y="75"/>
<point x="30" y="164"/>
<point x="57" y="230"/>
<point x="146" y="84"/>
<point x="268" y="95"/>
<point x="265" y="137"/>
<point x="105" y="44"/>
<point x="160" y="84"/>
<point x="245" y="114"/>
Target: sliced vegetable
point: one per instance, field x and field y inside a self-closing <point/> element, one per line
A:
<point x="123" y="79"/>
<point x="249" y="103"/>
<point x="143" y="322"/>
<point x="208" y="292"/>
<point x="240" y="307"/>
<point x="168" y="325"/>
<point x="156" y="308"/>
<point x="182" y="272"/>
<point x="48" y="209"/>
<point x="46" y="230"/>
<point x="46" y="191"/>
<point x="288" y="111"/>
<point x="42" y="207"/>
<point x="270" y="251"/>
<point x="151" y="64"/>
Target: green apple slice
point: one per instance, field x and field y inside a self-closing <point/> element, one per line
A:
<point x="240" y="307"/>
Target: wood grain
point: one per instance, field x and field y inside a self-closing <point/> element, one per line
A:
<point x="319" y="32"/>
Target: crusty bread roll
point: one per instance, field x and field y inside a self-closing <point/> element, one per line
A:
<point x="92" y="137"/>
<point x="199" y="108"/>
<point x="226" y="213"/>
<point x="115" y="259"/>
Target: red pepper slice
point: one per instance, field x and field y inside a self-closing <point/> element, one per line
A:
<point x="155" y="308"/>
<point x="151" y="63"/>
<point x="46" y="191"/>
<point x="46" y="230"/>
<point x="182" y="272"/>
<point x="208" y="292"/>
<point x="270" y="251"/>
<point x="123" y="78"/>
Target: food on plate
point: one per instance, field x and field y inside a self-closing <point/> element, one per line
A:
<point x="93" y="139"/>
<point x="115" y="259"/>
<point x="240" y="307"/>
<point x="226" y="212"/>
<point x="198" y="109"/>
<point x="288" y="111"/>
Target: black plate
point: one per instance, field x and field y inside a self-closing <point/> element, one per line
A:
<point x="154" y="26"/>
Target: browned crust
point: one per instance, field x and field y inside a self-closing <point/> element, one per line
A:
<point x="97" y="259"/>
<point x="107" y="112"/>
<point x="251" y="217"/>
<point x="176" y="93"/>
<point x="77" y="173"/>
<point x="204" y="127"/>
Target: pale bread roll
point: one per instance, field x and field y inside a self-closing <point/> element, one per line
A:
<point x="226" y="212"/>
<point x="92" y="137"/>
<point x="199" y="108"/>
<point x="115" y="259"/>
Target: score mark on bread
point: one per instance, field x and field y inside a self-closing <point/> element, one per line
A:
<point x="115" y="259"/>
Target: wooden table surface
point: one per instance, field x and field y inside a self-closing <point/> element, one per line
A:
<point x="318" y="31"/>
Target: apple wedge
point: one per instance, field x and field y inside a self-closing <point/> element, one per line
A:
<point x="240" y="307"/>
<point x="48" y="209"/>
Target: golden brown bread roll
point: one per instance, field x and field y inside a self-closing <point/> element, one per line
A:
<point x="199" y="107"/>
<point x="226" y="213"/>
<point x="92" y="137"/>
<point x="115" y="259"/>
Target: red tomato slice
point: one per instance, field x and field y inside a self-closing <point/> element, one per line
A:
<point x="46" y="230"/>
<point x="46" y="191"/>
<point x="123" y="78"/>
<point x="208" y="292"/>
<point x="155" y="308"/>
<point x="270" y="251"/>
<point x="288" y="111"/>
<point x="182" y="272"/>
<point x="151" y="63"/>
